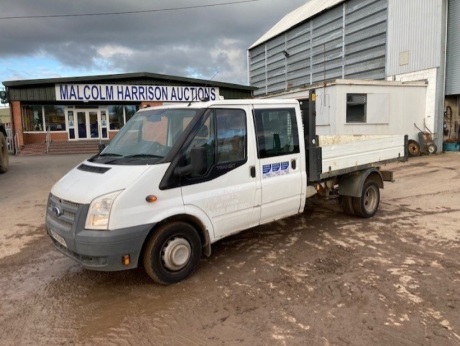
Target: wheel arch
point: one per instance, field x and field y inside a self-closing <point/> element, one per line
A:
<point x="352" y="184"/>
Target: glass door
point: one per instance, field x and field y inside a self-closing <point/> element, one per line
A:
<point x="87" y="124"/>
<point x="104" y="122"/>
<point x="82" y="125"/>
<point x="92" y="119"/>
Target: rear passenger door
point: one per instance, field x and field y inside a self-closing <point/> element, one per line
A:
<point x="279" y="161"/>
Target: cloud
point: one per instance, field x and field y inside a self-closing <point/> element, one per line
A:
<point x="190" y="42"/>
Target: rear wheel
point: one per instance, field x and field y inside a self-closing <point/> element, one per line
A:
<point x="366" y="205"/>
<point x="347" y="205"/>
<point x="172" y="253"/>
<point x="4" y="156"/>
<point x="413" y="148"/>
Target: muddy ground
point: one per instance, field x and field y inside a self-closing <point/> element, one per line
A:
<point x="320" y="278"/>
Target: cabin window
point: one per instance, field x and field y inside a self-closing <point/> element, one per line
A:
<point x="356" y="108"/>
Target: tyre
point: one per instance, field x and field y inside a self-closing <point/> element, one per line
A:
<point x="413" y="148"/>
<point x="347" y="206"/>
<point x="432" y="149"/>
<point x="172" y="253"/>
<point x="4" y="155"/>
<point x="366" y="205"/>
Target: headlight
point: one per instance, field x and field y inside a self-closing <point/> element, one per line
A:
<point x="99" y="211"/>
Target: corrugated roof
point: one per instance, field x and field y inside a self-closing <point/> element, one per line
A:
<point x="297" y="16"/>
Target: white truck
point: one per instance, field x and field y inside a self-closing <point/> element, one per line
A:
<point x="178" y="178"/>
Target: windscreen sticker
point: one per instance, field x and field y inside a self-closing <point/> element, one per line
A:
<point x="275" y="169"/>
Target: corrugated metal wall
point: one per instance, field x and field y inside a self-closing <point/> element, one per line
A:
<point x="347" y="41"/>
<point x="453" y="49"/>
<point x="414" y="35"/>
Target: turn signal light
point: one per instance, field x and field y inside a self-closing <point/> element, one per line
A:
<point x="151" y="198"/>
<point x="126" y="260"/>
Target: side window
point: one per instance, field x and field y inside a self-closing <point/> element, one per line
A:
<point x="204" y="138"/>
<point x="231" y="135"/>
<point x="277" y="132"/>
<point x="224" y="135"/>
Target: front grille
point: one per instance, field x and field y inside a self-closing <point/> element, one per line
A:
<point x="62" y="213"/>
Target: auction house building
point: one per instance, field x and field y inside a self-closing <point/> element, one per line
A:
<point x="94" y="108"/>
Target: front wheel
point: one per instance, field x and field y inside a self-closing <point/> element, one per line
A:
<point x="172" y="253"/>
<point x="366" y="205"/>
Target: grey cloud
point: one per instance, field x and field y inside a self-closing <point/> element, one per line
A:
<point x="193" y="42"/>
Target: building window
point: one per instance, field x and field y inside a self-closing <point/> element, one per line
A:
<point x="116" y="117"/>
<point x="32" y="118"/>
<point x="54" y="118"/>
<point x="119" y="115"/>
<point x="129" y="112"/>
<point x="356" y="108"/>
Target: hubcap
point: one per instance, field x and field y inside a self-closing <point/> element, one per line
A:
<point x="176" y="254"/>
<point x="413" y="149"/>
<point x="370" y="199"/>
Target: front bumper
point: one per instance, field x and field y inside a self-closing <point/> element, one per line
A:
<point x="103" y="250"/>
<point x="96" y="250"/>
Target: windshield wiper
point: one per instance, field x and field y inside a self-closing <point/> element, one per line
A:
<point x="143" y="155"/>
<point x="109" y="154"/>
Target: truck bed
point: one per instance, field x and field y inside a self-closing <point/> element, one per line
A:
<point x="344" y="154"/>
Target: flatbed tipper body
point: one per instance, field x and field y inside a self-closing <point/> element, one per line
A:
<point x="178" y="178"/>
<point x="340" y="154"/>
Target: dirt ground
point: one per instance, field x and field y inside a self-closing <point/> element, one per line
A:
<point x="320" y="278"/>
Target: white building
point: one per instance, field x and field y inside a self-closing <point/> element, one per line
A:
<point x="393" y="40"/>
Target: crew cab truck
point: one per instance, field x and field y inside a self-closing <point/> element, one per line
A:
<point x="178" y="178"/>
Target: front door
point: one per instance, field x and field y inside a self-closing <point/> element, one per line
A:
<point x="226" y="193"/>
<point x="88" y="124"/>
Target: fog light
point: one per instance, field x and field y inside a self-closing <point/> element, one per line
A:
<point x="126" y="260"/>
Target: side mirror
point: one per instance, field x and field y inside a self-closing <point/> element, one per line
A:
<point x="198" y="163"/>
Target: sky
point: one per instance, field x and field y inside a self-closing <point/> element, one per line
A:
<point x="205" y="39"/>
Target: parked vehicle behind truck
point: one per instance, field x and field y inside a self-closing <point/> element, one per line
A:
<point x="4" y="155"/>
<point x="176" y="179"/>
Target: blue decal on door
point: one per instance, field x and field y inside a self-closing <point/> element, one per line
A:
<point x="275" y="169"/>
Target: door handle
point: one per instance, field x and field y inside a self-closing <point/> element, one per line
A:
<point x="293" y="164"/>
<point x="252" y="169"/>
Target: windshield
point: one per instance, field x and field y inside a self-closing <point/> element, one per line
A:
<point x="147" y="137"/>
